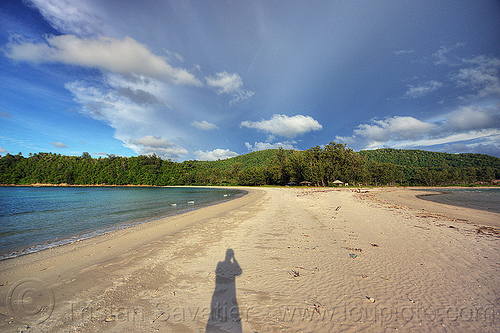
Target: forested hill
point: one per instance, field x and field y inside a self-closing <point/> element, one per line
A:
<point x="254" y="159"/>
<point x="430" y="159"/>
<point x="317" y="166"/>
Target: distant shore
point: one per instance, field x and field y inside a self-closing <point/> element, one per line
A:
<point x="311" y="259"/>
<point x="409" y="197"/>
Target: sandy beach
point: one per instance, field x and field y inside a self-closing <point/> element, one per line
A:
<point x="274" y="260"/>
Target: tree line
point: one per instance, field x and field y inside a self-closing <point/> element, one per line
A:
<point x="317" y="166"/>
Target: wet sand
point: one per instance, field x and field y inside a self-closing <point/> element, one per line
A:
<point x="275" y="260"/>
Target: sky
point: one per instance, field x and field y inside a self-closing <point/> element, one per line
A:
<point x="215" y="79"/>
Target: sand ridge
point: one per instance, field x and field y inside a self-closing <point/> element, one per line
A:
<point x="311" y="260"/>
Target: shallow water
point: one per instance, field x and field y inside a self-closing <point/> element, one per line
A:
<point x="36" y="218"/>
<point x="476" y="198"/>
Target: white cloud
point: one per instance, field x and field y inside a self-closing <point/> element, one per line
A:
<point x="442" y="54"/>
<point x="267" y="145"/>
<point x="423" y="89"/>
<point x="105" y="104"/>
<point x="118" y="103"/>
<point x="70" y="16"/>
<point x="466" y="125"/>
<point x="225" y="83"/>
<point x="488" y="149"/>
<point x="2" y="150"/>
<point x="402" y="128"/>
<point x="162" y="147"/>
<point x="59" y="145"/>
<point x="472" y="118"/>
<point x="204" y="125"/>
<point x="480" y="75"/>
<point x="482" y="78"/>
<point x="282" y="125"/>
<point x="400" y="52"/>
<point x="125" y="56"/>
<point x="241" y="95"/>
<point x="216" y="154"/>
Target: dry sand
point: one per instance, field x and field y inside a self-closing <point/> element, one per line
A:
<point x="305" y="260"/>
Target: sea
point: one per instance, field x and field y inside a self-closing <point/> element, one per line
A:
<point x="33" y="219"/>
<point x="476" y="198"/>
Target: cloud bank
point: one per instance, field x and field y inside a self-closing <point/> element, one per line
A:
<point x="267" y="145"/>
<point x="468" y="126"/>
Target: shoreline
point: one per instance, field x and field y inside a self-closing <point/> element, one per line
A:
<point x="321" y="254"/>
<point x="69" y="262"/>
<point x="229" y="186"/>
<point x="442" y="196"/>
<point x="110" y="229"/>
<point x="409" y="197"/>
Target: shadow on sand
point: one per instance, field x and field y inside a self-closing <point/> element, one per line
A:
<point x="224" y="311"/>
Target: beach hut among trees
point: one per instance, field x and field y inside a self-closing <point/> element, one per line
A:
<point x="337" y="183"/>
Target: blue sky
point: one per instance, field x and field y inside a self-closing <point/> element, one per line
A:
<point x="214" y="79"/>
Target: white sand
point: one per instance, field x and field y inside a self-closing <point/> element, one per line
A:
<point x="297" y="273"/>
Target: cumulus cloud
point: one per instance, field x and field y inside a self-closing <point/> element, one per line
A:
<point x="467" y="125"/>
<point x="125" y="56"/>
<point x="267" y="145"/>
<point x="59" y="145"/>
<point x="423" y="89"/>
<point x="400" y="128"/>
<point x="204" y="125"/>
<point x="214" y="155"/>
<point x="282" y="125"/>
<point x="226" y="83"/>
<point x="162" y="147"/>
<point x="69" y="16"/>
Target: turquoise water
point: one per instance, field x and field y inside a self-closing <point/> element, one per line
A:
<point x="475" y="198"/>
<point x="36" y="218"/>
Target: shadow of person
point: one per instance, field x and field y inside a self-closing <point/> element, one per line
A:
<point x="224" y="311"/>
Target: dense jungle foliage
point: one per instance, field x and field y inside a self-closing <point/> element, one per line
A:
<point x="315" y="166"/>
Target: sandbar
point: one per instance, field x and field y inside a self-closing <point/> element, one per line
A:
<point x="274" y="260"/>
